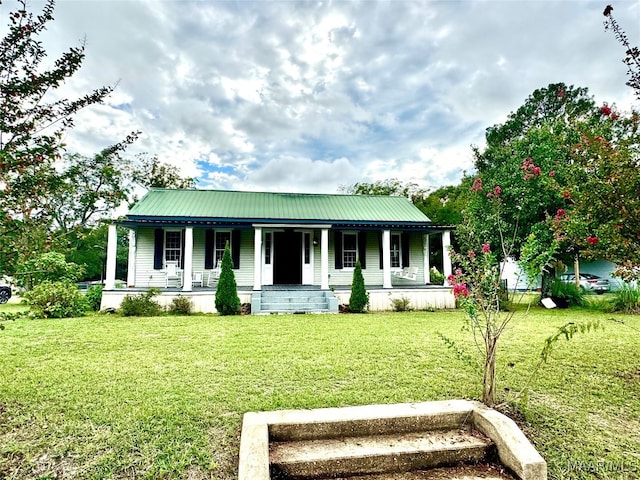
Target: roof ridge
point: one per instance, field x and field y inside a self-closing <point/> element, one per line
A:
<point x="311" y="194"/>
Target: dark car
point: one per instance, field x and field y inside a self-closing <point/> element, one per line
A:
<point x="588" y="282"/>
<point x="5" y="293"/>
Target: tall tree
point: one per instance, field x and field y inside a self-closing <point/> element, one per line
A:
<point x="32" y="123"/>
<point x="526" y="162"/>
<point x="566" y="181"/>
<point x="604" y="220"/>
<point x="32" y="119"/>
<point x="47" y="198"/>
<point x="608" y="195"/>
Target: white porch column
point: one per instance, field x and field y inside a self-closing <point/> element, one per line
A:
<point x="257" y="258"/>
<point x="324" y="259"/>
<point x="425" y="250"/>
<point x="446" y="259"/>
<point x="386" y="259"/>
<point x="131" y="261"/>
<point x="187" y="278"/>
<point x="112" y="245"/>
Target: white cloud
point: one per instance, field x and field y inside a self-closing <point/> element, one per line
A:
<point x="307" y="96"/>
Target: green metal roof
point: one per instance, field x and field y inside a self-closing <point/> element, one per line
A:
<point x="234" y="206"/>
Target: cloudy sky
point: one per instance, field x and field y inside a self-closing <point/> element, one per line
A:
<point x="308" y="96"/>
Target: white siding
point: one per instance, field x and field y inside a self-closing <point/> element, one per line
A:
<point x="373" y="273"/>
<point x="244" y="275"/>
<point x="146" y="276"/>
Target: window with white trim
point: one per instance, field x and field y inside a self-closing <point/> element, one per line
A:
<point x="221" y="240"/>
<point x="349" y="249"/>
<point x="396" y="251"/>
<point x="173" y="246"/>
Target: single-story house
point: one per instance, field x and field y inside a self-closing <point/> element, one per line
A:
<point x="291" y="252"/>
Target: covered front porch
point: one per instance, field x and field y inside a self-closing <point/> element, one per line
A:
<point x="187" y="257"/>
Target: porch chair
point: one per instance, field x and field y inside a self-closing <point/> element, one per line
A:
<point x="214" y="274"/>
<point x="408" y="273"/>
<point x="172" y="275"/>
<point x="198" y="278"/>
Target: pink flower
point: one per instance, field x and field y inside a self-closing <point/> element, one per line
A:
<point x="605" y="110"/>
<point x="593" y="240"/>
<point x="531" y="168"/>
<point x="497" y="190"/>
<point x="451" y="278"/>
<point x="460" y="290"/>
<point x="477" y="185"/>
<point x="561" y="93"/>
<point x="527" y="163"/>
<point x="458" y="272"/>
<point x="552" y="173"/>
<point x="489" y="195"/>
<point x="614" y="116"/>
<point x="561" y="212"/>
<point x="486" y="248"/>
<point x="471" y="254"/>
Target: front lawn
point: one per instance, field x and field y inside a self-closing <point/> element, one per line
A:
<point x="111" y="397"/>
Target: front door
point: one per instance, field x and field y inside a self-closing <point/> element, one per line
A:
<point x="287" y="258"/>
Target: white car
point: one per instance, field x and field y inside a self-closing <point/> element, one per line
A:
<point x="588" y="282"/>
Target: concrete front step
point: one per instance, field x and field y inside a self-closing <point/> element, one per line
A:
<point x="482" y="471"/>
<point x="283" y="303"/>
<point x="290" y="301"/>
<point x="400" y="452"/>
<point x="292" y="308"/>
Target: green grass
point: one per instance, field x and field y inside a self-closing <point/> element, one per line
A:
<point x="13" y="308"/>
<point x="111" y="397"/>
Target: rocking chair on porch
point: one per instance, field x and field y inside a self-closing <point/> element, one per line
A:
<point x="408" y="273"/>
<point x="173" y="276"/>
<point x="213" y="275"/>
